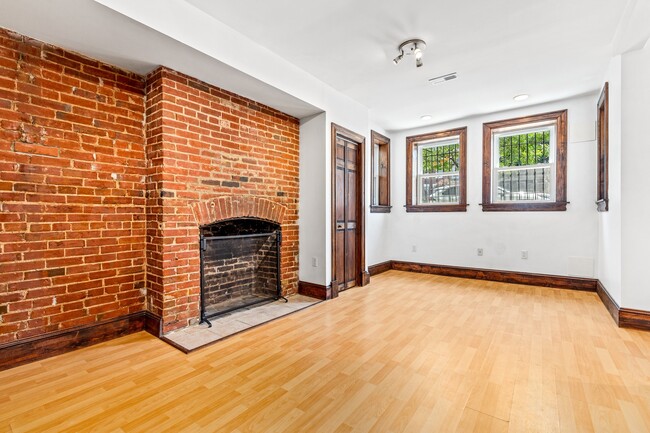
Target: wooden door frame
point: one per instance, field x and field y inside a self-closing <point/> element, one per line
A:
<point x="362" y="278"/>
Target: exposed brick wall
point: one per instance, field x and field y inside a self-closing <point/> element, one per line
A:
<point x="99" y="207"/>
<point x="72" y="192"/>
<point x="204" y="143"/>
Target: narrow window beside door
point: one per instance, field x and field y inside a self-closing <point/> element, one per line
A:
<point x="380" y="157"/>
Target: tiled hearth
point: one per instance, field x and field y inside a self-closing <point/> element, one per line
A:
<point x="194" y="337"/>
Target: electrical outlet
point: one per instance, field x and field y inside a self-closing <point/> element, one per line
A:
<point x="524" y="254"/>
<point x="479" y="251"/>
<point x="314" y="262"/>
<point x="414" y="249"/>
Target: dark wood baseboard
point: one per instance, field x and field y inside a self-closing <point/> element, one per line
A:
<point x="624" y="317"/>
<point x="56" y="343"/>
<point x="317" y="291"/>
<point x="379" y="268"/>
<point x="365" y="278"/>
<point x="638" y="319"/>
<point x="153" y="324"/>
<point x="608" y="302"/>
<point x="556" y="281"/>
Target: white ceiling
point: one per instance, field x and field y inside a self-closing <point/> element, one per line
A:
<point x="550" y="49"/>
<point x="99" y="32"/>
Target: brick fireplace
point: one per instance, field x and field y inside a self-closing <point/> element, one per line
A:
<point x="107" y="177"/>
<point x="213" y="155"/>
<point x="240" y="265"/>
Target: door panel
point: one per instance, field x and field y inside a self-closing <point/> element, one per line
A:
<point x="340" y="194"/>
<point x="340" y="255"/>
<point x="350" y="258"/>
<point x="347" y="202"/>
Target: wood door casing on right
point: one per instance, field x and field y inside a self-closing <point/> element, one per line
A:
<point x="347" y="245"/>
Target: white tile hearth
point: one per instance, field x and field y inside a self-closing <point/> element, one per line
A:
<point x="196" y="336"/>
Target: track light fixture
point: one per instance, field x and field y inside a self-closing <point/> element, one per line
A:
<point x="412" y="47"/>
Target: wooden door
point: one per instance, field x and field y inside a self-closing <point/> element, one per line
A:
<point x="347" y="242"/>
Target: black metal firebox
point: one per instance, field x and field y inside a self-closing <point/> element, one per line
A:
<point x="240" y="265"/>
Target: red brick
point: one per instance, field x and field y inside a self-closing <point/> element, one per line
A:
<point x="84" y="163"/>
<point x="53" y="227"/>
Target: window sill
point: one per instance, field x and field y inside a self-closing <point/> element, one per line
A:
<point x="437" y="208"/>
<point x="380" y="209"/>
<point x="524" y="207"/>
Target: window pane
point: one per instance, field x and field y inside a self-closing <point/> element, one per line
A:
<point x="525" y="149"/>
<point x="524" y="184"/>
<point x="441" y="159"/>
<point x="375" y="175"/>
<point x="440" y="189"/>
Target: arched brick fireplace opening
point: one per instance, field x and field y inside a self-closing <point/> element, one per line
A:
<point x="240" y="265"/>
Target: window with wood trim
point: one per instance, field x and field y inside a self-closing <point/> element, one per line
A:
<point x="380" y="158"/>
<point x="524" y="163"/>
<point x="436" y="172"/>
<point x="602" y="201"/>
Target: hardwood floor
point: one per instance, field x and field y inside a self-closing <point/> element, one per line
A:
<point x="408" y="353"/>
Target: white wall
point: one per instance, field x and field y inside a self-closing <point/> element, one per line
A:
<point x="609" y="223"/>
<point x="635" y="184"/>
<point x="312" y="220"/>
<point x="552" y="239"/>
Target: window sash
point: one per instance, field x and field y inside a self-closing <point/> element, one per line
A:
<point x="441" y="142"/>
<point x="375" y="175"/>
<point x="420" y="176"/>
<point x="420" y="188"/>
<point x="497" y="168"/>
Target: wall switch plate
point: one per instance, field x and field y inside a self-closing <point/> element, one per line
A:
<point x="314" y="262"/>
<point x="414" y="249"/>
<point x="524" y="254"/>
<point x="479" y="251"/>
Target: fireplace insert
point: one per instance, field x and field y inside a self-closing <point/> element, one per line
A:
<point x="240" y="265"/>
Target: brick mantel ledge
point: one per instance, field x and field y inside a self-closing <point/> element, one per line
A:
<point x="228" y="207"/>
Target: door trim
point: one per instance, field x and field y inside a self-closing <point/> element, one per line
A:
<point x="362" y="278"/>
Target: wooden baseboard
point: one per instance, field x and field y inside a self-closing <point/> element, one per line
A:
<point x="638" y="319"/>
<point x="153" y="324"/>
<point x="608" y="302"/>
<point x="624" y="317"/>
<point x="379" y="268"/>
<point x="317" y="291"/>
<point x="557" y="281"/>
<point x="365" y="278"/>
<point x="55" y="343"/>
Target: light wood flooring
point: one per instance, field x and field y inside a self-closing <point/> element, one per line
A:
<point x="408" y="353"/>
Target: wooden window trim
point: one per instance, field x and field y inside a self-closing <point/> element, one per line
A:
<point x="411" y="142"/>
<point x="602" y="136"/>
<point x="382" y="140"/>
<point x="560" y="119"/>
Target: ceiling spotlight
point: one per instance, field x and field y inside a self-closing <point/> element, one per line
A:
<point x="519" y="98"/>
<point x="426" y="117"/>
<point x="412" y="47"/>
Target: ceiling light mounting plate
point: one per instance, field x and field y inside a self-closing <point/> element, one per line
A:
<point x="409" y="47"/>
<point x="413" y="47"/>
